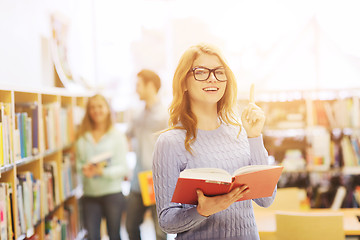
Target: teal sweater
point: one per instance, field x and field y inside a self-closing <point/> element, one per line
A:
<point x="113" y="174"/>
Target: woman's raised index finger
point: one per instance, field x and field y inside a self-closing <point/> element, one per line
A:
<point x="252" y="98"/>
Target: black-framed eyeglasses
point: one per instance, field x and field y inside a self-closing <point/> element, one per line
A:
<point x="203" y="73"/>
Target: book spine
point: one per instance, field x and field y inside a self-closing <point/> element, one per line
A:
<point x="23" y="120"/>
<point x="35" y="130"/>
<point x="1" y="146"/>
<point x="29" y="146"/>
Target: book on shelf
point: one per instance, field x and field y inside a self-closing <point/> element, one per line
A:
<point x="20" y="210"/>
<point x="66" y="176"/>
<point x="27" y="194"/>
<point x="69" y="161"/>
<point x="52" y="134"/>
<point x="48" y="197"/>
<point x="17" y="145"/>
<point x="2" y="161"/>
<point x="355" y="142"/>
<point x="320" y="115"/>
<point x="318" y="150"/>
<point x="70" y="218"/>
<point x="6" y="211"/>
<point x="26" y="121"/>
<point x="349" y="153"/>
<point x="31" y="199"/>
<point x="36" y="203"/>
<point x="261" y="180"/>
<point x="6" y="134"/>
<point x="11" y="220"/>
<point x="147" y="187"/>
<point x="52" y="168"/>
<point x="3" y="212"/>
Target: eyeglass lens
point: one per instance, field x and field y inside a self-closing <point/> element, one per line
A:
<point x="202" y="74"/>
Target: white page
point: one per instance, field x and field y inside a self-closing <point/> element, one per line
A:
<point x="252" y="168"/>
<point x="211" y="174"/>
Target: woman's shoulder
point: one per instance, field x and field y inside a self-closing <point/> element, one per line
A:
<point x="172" y="136"/>
<point x="116" y="134"/>
<point x="173" y="132"/>
<point x="81" y="139"/>
<point x="115" y="131"/>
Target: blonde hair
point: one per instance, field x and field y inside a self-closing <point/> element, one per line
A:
<point x="87" y="124"/>
<point x="180" y="111"/>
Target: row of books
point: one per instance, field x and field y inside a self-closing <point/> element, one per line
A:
<point x="62" y="229"/>
<point x="28" y="202"/>
<point x="51" y="187"/>
<point x="28" y="199"/>
<point x="328" y="151"/>
<point x="339" y="113"/>
<point x="60" y="123"/>
<point x="316" y="149"/>
<point x="69" y="175"/>
<point x="301" y="113"/>
<point x="52" y="180"/>
<point x="23" y="138"/>
<point x="59" y="128"/>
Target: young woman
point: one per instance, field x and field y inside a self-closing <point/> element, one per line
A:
<point x="98" y="139"/>
<point x="204" y="132"/>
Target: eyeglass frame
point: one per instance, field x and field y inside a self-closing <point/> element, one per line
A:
<point x="210" y="71"/>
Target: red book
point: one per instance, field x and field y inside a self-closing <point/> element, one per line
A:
<point x="261" y="180"/>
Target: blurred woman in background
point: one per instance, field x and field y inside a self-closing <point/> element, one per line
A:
<point x="101" y="161"/>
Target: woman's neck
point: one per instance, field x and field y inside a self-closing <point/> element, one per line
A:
<point x="99" y="127"/>
<point x="207" y="117"/>
<point x="98" y="131"/>
<point x="150" y="101"/>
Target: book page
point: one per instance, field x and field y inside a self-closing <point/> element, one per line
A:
<point x="252" y="168"/>
<point x="103" y="157"/>
<point x="209" y="174"/>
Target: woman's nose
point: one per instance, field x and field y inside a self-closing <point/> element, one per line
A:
<point x="212" y="77"/>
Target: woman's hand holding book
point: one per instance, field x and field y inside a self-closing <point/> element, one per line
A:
<point x="211" y="205"/>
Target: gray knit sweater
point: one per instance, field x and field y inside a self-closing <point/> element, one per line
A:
<point x="219" y="148"/>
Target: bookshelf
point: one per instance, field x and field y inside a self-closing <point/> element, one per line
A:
<point x="315" y="135"/>
<point x="39" y="188"/>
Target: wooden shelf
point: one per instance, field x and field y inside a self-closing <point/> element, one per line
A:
<point x="18" y="100"/>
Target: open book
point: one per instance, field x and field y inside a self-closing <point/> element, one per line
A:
<point x="261" y="180"/>
<point x="102" y="159"/>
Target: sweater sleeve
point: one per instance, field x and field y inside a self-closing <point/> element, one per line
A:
<point x="118" y="167"/>
<point x="173" y="217"/>
<point x="259" y="156"/>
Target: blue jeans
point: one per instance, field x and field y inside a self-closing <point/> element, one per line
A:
<point x="110" y="207"/>
<point x="135" y="216"/>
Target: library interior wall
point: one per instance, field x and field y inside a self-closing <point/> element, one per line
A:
<point x="25" y="28"/>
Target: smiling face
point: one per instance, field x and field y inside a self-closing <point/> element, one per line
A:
<point x="98" y="110"/>
<point x="209" y="91"/>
